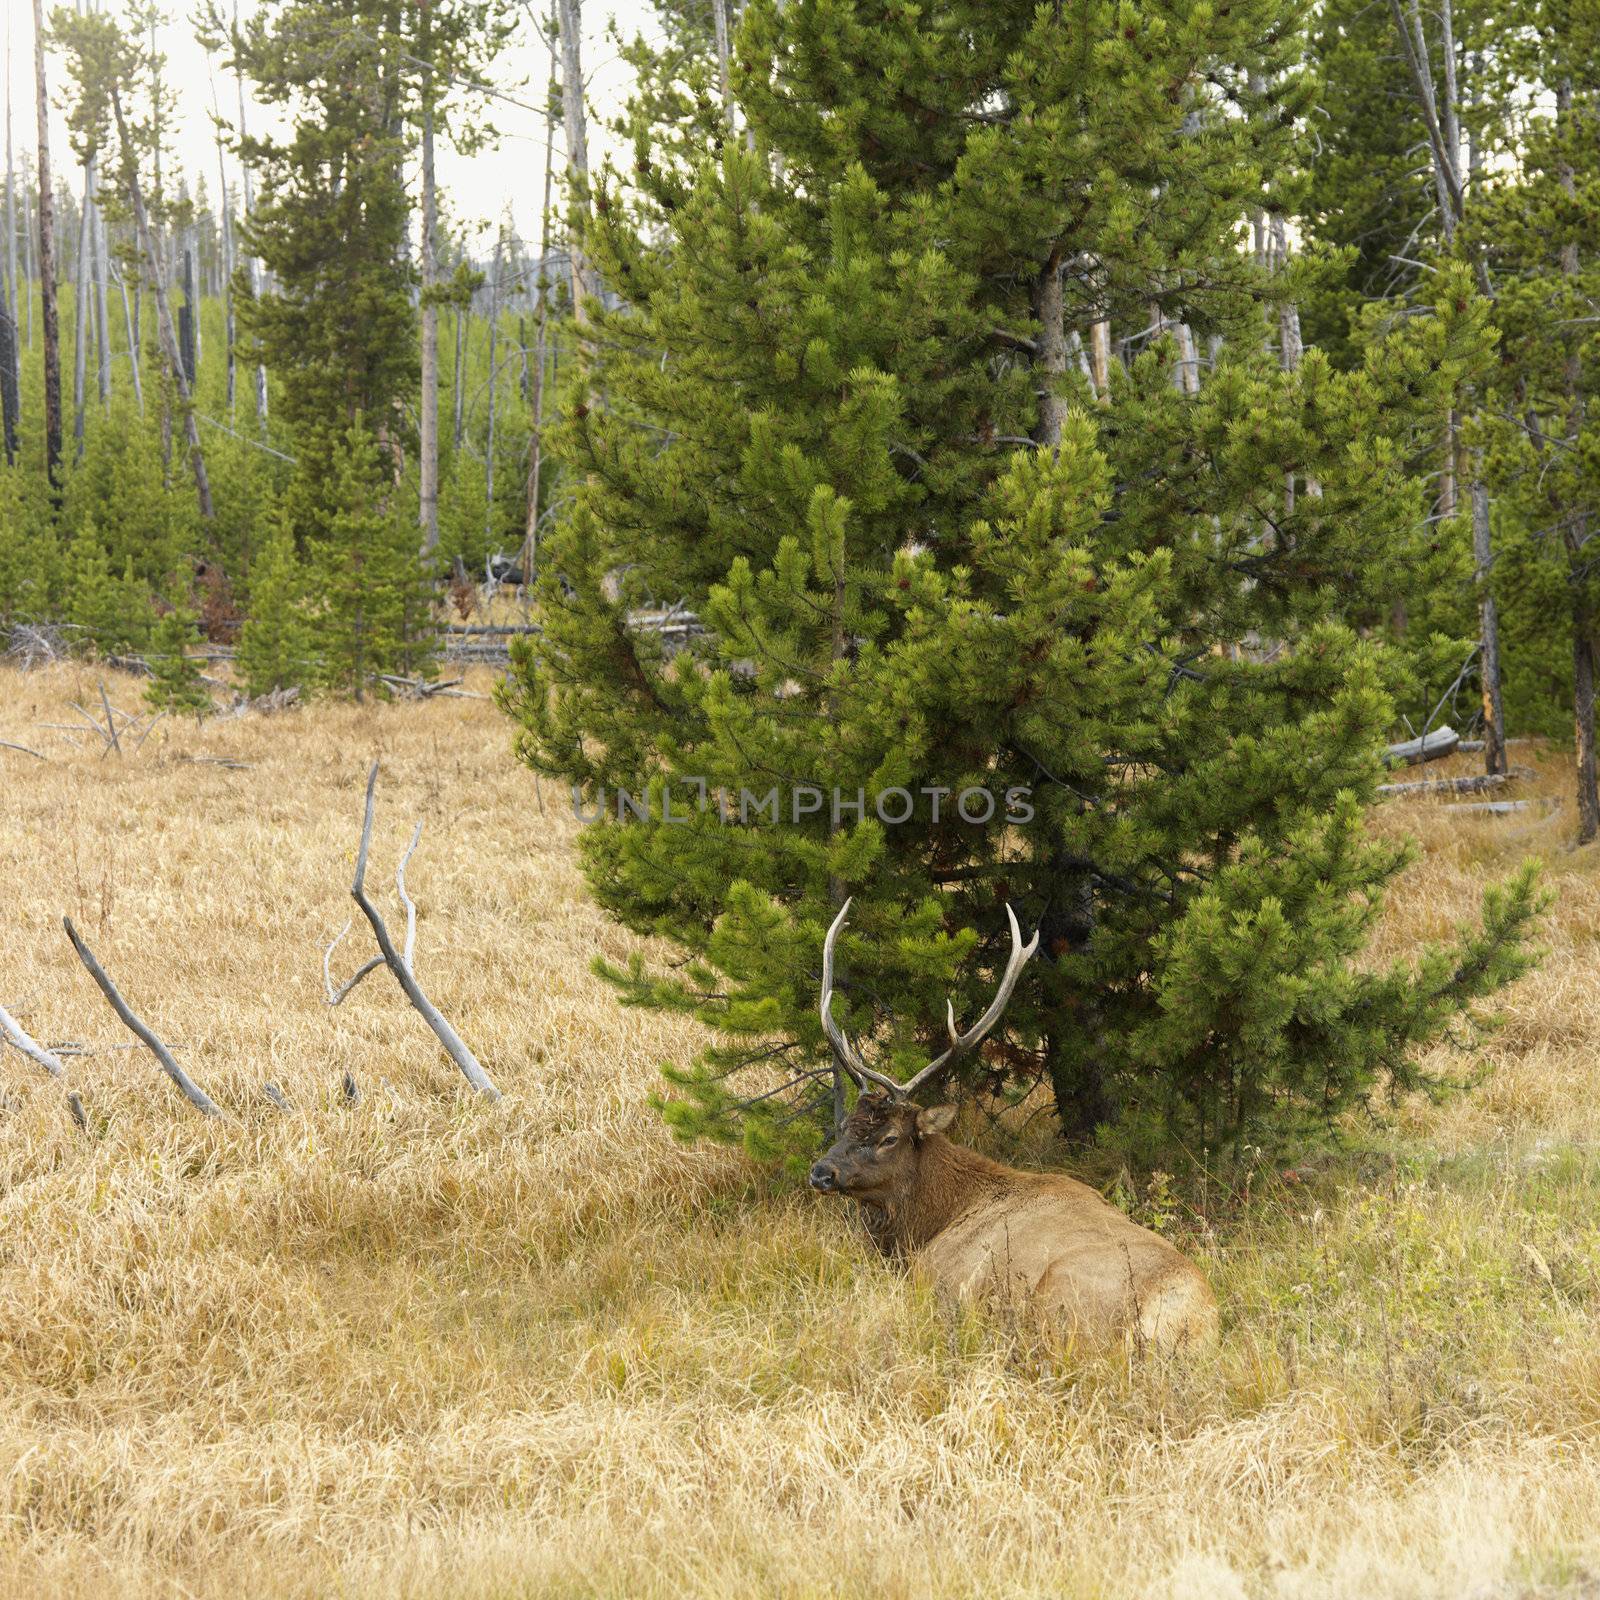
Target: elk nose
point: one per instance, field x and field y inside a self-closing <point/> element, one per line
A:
<point x="824" y="1177"/>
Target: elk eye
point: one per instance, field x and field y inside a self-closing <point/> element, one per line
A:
<point x="893" y="1139"/>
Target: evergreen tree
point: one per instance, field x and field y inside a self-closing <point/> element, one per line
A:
<point x="175" y="676"/>
<point x="30" y="576"/>
<point x="1539" y="227"/>
<point x="847" y="425"/>
<point x="276" y="648"/>
<point x="111" y="613"/>
<point x="373" y="598"/>
<point x="336" y="328"/>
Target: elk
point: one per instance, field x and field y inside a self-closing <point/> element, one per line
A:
<point x="1040" y="1240"/>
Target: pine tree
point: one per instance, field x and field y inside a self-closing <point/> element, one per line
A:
<point x="336" y="328"/>
<point x="276" y="649"/>
<point x="30" y="575"/>
<point x="943" y="560"/>
<point x="113" y="614"/>
<point x="176" y="680"/>
<point x="373" y="611"/>
<point x="1538" y="226"/>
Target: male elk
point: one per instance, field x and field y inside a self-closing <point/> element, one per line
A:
<point x="979" y="1227"/>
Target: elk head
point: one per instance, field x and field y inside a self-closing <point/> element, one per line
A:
<point x="880" y="1137"/>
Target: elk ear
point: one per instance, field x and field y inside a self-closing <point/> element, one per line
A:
<point x="934" y="1119"/>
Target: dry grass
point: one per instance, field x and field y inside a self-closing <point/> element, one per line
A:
<point x="426" y="1346"/>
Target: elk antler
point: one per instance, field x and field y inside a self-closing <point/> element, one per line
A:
<point x="961" y="1044"/>
<point x="844" y="1053"/>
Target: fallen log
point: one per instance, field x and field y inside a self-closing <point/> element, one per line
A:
<point x="1470" y="785"/>
<point x="1428" y="747"/>
<point x="1492" y="808"/>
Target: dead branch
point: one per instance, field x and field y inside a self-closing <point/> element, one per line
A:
<point x="351" y="1090"/>
<point x="1478" y="784"/>
<point x="111" y="721"/>
<point x="1429" y="747"/>
<point x="75" y="1106"/>
<point x="6" y="744"/>
<point x="1492" y="808"/>
<point x="276" y="1096"/>
<point x="29" y="1046"/>
<point x="400" y="965"/>
<point x="336" y="996"/>
<point x="196" y="1096"/>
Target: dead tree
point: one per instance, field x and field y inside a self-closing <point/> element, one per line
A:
<point x="400" y="964"/>
<point x="47" y="259"/>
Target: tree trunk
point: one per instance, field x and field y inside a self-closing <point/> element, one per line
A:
<point x="719" y="17"/>
<point x="16" y="291"/>
<point x="530" y="538"/>
<point x="130" y="322"/>
<point x="1100" y="359"/>
<point x="494" y="356"/>
<point x="1050" y="363"/>
<point x="458" y="396"/>
<point x="1494" y="719"/>
<point x="47" y="260"/>
<point x="575" y="123"/>
<point x="80" y="306"/>
<point x="428" y="422"/>
<point x="250" y="261"/>
<point x="164" y="328"/>
<point x="101" y="318"/>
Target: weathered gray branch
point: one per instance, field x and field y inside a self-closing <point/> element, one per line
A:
<point x="1428" y="747"/>
<point x="336" y="996"/>
<point x="400" y="966"/>
<point x="1473" y="785"/>
<point x="196" y="1096"/>
<point x="1492" y="808"/>
<point x="29" y="1046"/>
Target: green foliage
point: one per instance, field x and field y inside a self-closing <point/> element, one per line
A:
<point x="929" y="563"/>
<point x="111" y="613"/>
<point x="277" y="642"/>
<point x="175" y="676"/>
<point x="374" y="603"/>
<point x="30" y="560"/>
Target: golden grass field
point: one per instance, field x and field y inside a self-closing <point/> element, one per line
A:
<point x="429" y="1346"/>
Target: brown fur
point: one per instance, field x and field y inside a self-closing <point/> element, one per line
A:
<point x="1040" y="1239"/>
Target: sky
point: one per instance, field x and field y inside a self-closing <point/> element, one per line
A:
<point x="479" y="187"/>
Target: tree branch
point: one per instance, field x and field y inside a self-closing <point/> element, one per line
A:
<point x="196" y="1096"/>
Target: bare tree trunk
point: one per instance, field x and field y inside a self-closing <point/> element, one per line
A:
<point x="1050" y="363"/>
<point x="575" y="123"/>
<point x="1494" y="717"/>
<point x="47" y="259"/>
<point x="164" y="328"/>
<point x="428" y="429"/>
<point x="102" y="321"/>
<point x="530" y="539"/>
<point x="1100" y="359"/>
<point x="719" y="17"/>
<point x="250" y="261"/>
<point x="1583" y="664"/>
<point x="494" y="333"/>
<point x="458" y="396"/>
<point x="15" y="291"/>
<point x="80" y="305"/>
<point x="130" y="323"/>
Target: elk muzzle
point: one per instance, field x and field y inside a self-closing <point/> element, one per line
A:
<point x="824" y="1177"/>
